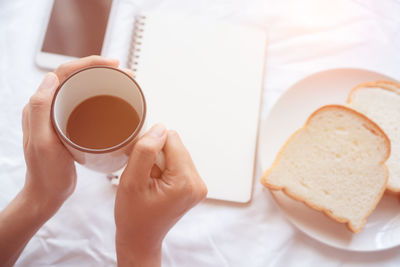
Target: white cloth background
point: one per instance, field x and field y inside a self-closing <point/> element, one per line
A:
<point x="304" y="37"/>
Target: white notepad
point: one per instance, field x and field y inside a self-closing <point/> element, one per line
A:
<point x="203" y="79"/>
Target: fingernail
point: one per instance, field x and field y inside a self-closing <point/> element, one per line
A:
<point x="49" y="82"/>
<point x="157" y="130"/>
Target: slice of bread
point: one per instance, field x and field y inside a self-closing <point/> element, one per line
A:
<point x="380" y="101"/>
<point x="334" y="164"/>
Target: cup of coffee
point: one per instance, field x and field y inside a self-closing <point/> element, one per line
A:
<point x="98" y="113"/>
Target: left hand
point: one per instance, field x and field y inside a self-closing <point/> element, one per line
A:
<point x="51" y="174"/>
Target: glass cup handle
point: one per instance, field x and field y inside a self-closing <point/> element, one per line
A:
<point x="160" y="162"/>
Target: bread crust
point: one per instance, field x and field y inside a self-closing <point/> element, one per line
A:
<point x="315" y="206"/>
<point x="385" y="85"/>
<point x="388" y="85"/>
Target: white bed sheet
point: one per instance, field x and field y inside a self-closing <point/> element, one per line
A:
<point x="304" y="37"/>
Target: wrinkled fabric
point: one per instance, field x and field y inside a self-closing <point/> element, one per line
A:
<point x="304" y="37"/>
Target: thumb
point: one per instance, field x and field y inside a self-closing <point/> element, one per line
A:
<point x="143" y="156"/>
<point x="40" y="105"/>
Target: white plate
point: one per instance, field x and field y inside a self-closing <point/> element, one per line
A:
<point x="382" y="230"/>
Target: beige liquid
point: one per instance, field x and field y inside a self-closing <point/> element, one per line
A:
<point x="102" y="122"/>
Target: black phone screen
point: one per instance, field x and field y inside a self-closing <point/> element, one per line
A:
<point x="77" y="27"/>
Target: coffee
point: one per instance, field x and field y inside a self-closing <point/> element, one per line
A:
<point x="101" y="122"/>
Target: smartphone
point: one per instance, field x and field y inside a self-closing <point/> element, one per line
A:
<point x="75" y="29"/>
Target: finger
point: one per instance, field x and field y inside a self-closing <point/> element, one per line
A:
<point x="179" y="165"/>
<point x="25" y="125"/>
<point x="66" y="69"/>
<point x="129" y="72"/>
<point x="144" y="155"/>
<point x="40" y="105"/>
<point x="176" y="154"/>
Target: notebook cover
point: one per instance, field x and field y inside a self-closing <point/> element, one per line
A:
<point x="204" y="79"/>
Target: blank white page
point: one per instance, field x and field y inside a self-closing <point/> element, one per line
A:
<point x="204" y="79"/>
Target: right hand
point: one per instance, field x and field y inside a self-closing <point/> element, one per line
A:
<point x="149" y="202"/>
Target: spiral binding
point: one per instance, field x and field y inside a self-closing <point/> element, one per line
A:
<point x="136" y="42"/>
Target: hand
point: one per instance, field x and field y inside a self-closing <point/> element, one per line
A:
<point x="51" y="175"/>
<point x="149" y="202"/>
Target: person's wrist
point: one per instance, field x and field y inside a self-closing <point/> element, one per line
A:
<point x="41" y="204"/>
<point x="138" y="253"/>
